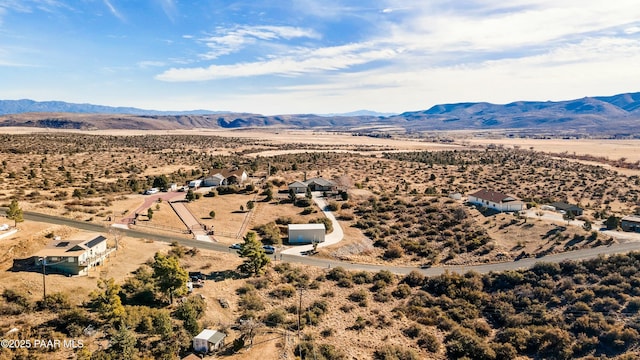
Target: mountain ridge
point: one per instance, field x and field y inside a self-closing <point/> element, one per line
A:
<point x="619" y="114"/>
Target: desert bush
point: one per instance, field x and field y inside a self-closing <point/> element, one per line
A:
<point x="283" y="291"/>
<point x="245" y="288"/>
<point x="55" y="302"/>
<point x="430" y="342"/>
<point x="309" y="350"/>
<point x="362" y="277"/>
<point x="384" y="276"/>
<point x="338" y="273"/>
<point x="71" y="322"/>
<point x="259" y="283"/>
<point x="333" y="206"/>
<point x="394" y="251"/>
<point x="270" y="233"/>
<point x="401" y="292"/>
<point x="395" y="352"/>
<point x="17" y="298"/>
<point x="328" y="224"/>
<point x="413" y="331"/>
<point x="275" y="318"/>
<point x="414" y="279"/>
<point x="463" y="342"/>
<point x="360" y="297"/>
<point x="303" y="202"/>
<point x="251" y="301"/>
<point x="382" y="296"/>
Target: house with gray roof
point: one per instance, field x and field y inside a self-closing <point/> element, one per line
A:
<point x="74" y="256"/>
<point x="496" y="200"/>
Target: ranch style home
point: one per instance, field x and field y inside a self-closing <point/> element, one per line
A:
<point x="225" y="177"/>
<point x="75" y="256"/>
<point x="496" y="200"/>
<point x="315" y="184"/>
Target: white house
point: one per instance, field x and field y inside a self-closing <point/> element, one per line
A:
<point x="496" y="200"/>
<point x="306" y="233"/>
<point x="208" y="340"/>
<point x="76" y="255"/>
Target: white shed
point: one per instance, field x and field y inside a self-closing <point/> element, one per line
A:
<point x="208" y="340"/>
<point x="306" y="233"/>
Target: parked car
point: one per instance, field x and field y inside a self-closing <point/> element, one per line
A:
<point x="4" y="227"/>
<point x="269" y="249"/>
<point x="236" y="246"/>
<point x="151" y="191"/>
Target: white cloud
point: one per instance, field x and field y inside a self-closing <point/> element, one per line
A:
<point x="150" y="64"/>
<point x="297" y="62"/>
<point x="170" y="9"/>
<point x="428" y="53"/>
<point x="114" y="11"/>
<point x="228" y="41"/>
<point x="491" y="27"/>
<point x="632" y="30"/>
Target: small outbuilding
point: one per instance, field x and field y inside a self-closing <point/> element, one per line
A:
<point x="568" y="208"/>
<point x="630" y="223"/>
<point x="208" y="340"/>
<point x="306" y="233"/>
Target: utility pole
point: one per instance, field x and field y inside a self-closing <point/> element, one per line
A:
<point x="43" y="261"/>
<point x="299" y="318"/>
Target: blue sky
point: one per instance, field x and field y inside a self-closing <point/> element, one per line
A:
<point x="308" y="56"/>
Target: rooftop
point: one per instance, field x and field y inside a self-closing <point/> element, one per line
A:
<point x="306" y="227"/>
<point x="493" y="196"/>
<point x="74" y="246"/>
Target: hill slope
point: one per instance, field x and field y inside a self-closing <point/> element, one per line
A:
<point x="618" y="114"/>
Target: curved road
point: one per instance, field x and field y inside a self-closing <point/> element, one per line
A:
<point x="521" y="264"/>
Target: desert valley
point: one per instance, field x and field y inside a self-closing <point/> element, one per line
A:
<point x="434" y="245"/>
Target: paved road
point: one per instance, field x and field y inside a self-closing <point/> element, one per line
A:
<point x="521" y="264"/>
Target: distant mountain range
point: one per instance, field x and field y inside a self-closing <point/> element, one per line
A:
<point x="618" y="115"/>
<point x="27" y="106"/>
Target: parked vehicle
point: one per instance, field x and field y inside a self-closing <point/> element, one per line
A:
<point x="269" y="249"/>
<point x="236" y="246"/>
<point x="151" y="191"/>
